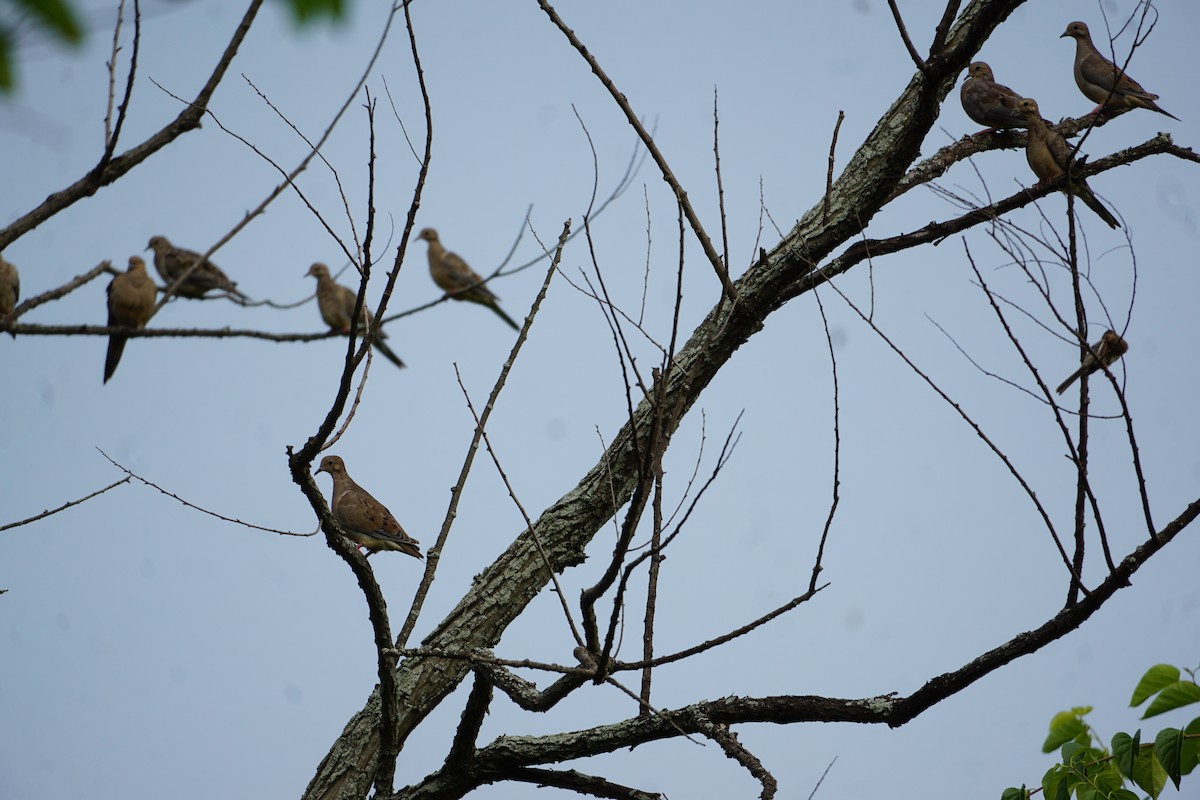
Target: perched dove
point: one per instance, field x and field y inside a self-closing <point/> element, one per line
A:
<point x="172" y="261"/>
<point x="1104" y="353"/>
<point x="10" y="288"/>
<point x="336" y="303"/>
<point x="1101" y="81"/>
<point x="1049" y="155"/>
<point x="457" y="279"/>
<point x="989" y="103"/>
<point x="362" y="517"/>
<point x="131" y="297"/>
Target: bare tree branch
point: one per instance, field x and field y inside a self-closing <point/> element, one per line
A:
<point x="109" y="169"/>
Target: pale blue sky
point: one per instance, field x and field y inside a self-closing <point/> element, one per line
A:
<point x="146" y="646"/>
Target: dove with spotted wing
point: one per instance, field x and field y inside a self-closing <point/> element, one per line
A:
<point x="172" y="262"/>
<point x="365" y="520"/>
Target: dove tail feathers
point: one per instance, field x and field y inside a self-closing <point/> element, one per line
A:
<point x="1062" y="387"/>
<point x="116" y="346"/>
<point x="1089" y="200"/>
<point x="387" y="353"/>
<point x="494" y="306"/>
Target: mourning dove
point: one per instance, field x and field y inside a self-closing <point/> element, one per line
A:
<point x="364" y="519"/>
<point x="1101" y="81"/>
<point x="131" y="297"/>
<point x="1049" y="155"/>
<point x="10" y="288"/>
<point x="172" y="261"/>
<point x="1103" y="353"/>
<point x="987" y="102"/>
<point x="336" y="303"/>
<point x="457" y="279"/>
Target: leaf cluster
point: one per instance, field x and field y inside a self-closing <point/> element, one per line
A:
<point x="1089" y="771"/>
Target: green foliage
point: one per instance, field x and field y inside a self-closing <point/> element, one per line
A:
<point x="60" y="20"/>
<point x="55" y="17"/>
<point x="1088" y="771"/>
<point x="307" y="10"/>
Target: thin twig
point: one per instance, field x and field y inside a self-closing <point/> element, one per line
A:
<point x="837" y="126"/>
<point x="130" y="473"/>
<point x="912" y="51"/>
<point x="529" y="524"/>
<point x="109" y="171"/>
<point x="65" y="506"/>
<point x="434" y="553"/>
<point x="680" y="195"/>
<point x="837" y="448"/>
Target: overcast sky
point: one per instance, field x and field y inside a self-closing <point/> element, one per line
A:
<point x="148" y="646"/>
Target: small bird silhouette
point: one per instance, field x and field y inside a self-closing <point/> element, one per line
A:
<point x="1104" y="353"/>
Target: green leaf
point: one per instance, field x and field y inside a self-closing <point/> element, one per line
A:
<point x="308" y="10"/>
<point x="1148" y="774"/>
<point x="1189" y="753"/>
<point x="1080" y="755"/>
<point x="1125" y="751"/>
<point x="1057" y="783"/>
<point x="1168" y="746"/>
<point x="1107" y="779"/>
<point x="55" y="15"/>
<point x="1176" y="695"/>
<point x="1012" y="793"/>
<point x="1064" y="727"/>
<point x="1156" y="678"/>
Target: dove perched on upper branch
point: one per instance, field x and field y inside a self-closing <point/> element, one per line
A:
<point x="987" y="102"/>
<point x="10" y="288"/>
<point x="172" y="261"/>
<point x="364" y="519"/>
<point x="1101" y="81"/>
<point x="1049" y="155"/>
<point x="1104" y="353"/>
<point x="457" y="279"/>
<point x="336" y="303"/>
<point x="131" y="297"/>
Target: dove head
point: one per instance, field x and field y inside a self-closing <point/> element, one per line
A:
<point x="428" y="234"/>
<point x="332" y="464"/>
<point x="1028" y="107"/>
<point x="1077" y="30"/>
<point x="318" y="270"/>
<point x="981" y="70"/>
<point x="136" y="264"/>
<point x="158" y="244"/>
